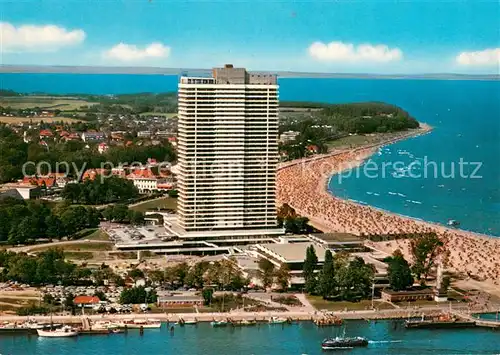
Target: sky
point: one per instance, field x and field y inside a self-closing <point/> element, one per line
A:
<point x="349" y="36"/>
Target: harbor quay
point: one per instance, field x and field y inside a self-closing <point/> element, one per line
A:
<point x="402" y="313"/>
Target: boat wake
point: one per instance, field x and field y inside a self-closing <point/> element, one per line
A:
<point x="384" y="341"/>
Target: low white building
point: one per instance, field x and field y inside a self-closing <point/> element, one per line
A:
<point x="93" y="136"/>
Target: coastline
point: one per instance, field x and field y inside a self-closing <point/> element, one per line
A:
<point x="397" y="313"/>
<point x="303" y="184"/>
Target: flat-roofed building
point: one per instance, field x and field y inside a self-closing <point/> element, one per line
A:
<point x="293" y="255"/>
<point x="339" y="241"/>
<point x="227" y="155"/>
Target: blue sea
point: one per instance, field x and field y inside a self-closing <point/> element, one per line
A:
<point x="428" y="177"/>
<point x="386" y="337"/>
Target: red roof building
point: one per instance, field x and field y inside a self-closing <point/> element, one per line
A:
<point x="86" y="300"/>
<point x="48" y="182"/>
<point x="44" y="133"/>
<point x="92" y="173"/>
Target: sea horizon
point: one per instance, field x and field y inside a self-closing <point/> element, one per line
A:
<point x="131" y="70"/>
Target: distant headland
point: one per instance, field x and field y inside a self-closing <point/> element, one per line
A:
<point x="203" y="72"/>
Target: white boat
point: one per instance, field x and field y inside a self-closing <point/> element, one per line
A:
<point x="64" y="332"/>
<point x="219" y="323"/>
<point x="104" y="325"/>
<point x="277" y="320"/>
<point x="141" y="323"/>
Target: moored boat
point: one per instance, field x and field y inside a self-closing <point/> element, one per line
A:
<point x="277" y="320"/>
<point x="441" y="322"/>
<point x="63" y="332"/>
<point x="343" y="343"/>
<point x="141" y="323"/>
<point x="219" y="323"/>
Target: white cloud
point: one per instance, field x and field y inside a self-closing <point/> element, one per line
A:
<point x="348" y="52"/>
<point x="34" y="38"/>
<point x="129" y="52"/>
<point x="487" y="57"/>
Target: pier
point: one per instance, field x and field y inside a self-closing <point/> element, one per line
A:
<point x="482" y="323"/>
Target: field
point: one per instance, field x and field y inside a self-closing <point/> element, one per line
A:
<point x="14" y="120"/>
<point x="319" y="303"/>
<point x="44" y="102"/>
<point x="161" y="203"/>
<point x="12" y="300"/>
<point x="159" y="114"/>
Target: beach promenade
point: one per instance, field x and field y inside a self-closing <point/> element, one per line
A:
<point x="303" y="184"/>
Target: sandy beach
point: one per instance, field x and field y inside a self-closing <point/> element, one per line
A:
<point x="303" y="185"/>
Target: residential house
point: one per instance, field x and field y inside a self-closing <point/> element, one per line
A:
<point x="102" y="148"/>
<point x="144" y="134"/>
<point x="46" y="134"/>
<point x="93" y="136"/>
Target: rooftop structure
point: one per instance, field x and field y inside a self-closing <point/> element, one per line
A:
<point x="339" y="241"/>
<point x="292" y="253"/>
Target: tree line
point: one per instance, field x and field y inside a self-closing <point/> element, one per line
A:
<point x="100" y="191"/>
<point x="340" y="278"/>
<point x="23" y="222"/>
<point x="48" y="267"/>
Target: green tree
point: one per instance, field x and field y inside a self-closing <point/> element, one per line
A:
<point x="107" y="213"/>
<point x="399" y="272"/>
<point x="136" y="217"/>
<point x="309" y="268"/>
<point x="266" y="272"/>
<point x="136" y="274"/>
<point x="327" y="278"/>
<point x="425" y="248"/>
<point x="137" y="295"/>
<point x="68" y="303"/>
<point x="282" y="276"/>
<point x="101" y="295"/>
<point x="55" y="227"/>
<point x="195" y="276"/>
<point x="207" y="295"/>
<point x="120" y="213"/>
<point x="24" y="231"/>
<point x="354" y="279"/>
<point x="156" y="276"/>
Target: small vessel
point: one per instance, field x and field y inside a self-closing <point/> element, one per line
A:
<point x="14" y="328"/>
<point x="191" y="322"/>
<point x="328" y="321"/>
<point x="343" y="343"/>
<point x="63" y="332"/>
<point x="440" y="322"/>
<point x="104" y="326"/>
<point x="277" y="320"/>
<point x="453" y="223"/>
<point x="219" y="323"/>
<point x="244" y="323"/>
<point x="141" y="323"/>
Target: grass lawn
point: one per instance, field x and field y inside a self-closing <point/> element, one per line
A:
<point x="152" y="205"/>
<point x="78" y="255"/>
<point x="319" y="303"/>
<point x="76" y="246"/>
<point x="98" y="234"/>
